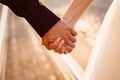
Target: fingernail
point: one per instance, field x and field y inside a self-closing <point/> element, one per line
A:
<point x="58" y="39"/>
<point x="62" y="41"/>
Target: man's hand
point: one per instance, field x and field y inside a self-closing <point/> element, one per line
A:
<point x="63" y="31"/>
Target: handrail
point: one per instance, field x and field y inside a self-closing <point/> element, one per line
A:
<point x="73" y="66"/>
<point x="3" y="38"/>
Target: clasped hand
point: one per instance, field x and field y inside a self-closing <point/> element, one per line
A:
<point x="60" y="38"/>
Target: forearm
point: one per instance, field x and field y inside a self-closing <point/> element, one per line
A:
<point x="75" y="11"/>
<point x="38" y="16"/>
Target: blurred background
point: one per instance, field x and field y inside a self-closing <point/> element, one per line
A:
<point x="22" y="57"/>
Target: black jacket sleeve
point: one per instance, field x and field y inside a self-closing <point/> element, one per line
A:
<point x="38" y="16"/>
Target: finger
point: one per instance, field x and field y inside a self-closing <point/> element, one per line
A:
<point x="73" y="32"/>
<point x="45" y="43"/>
<point x="69" y="49"/>
<point x="60" y="46"/>
<point x="64" y="48"/>
<point x="69" y="43"/>
<point x="72" y="38"/>
<point x="54" y="44"/>
<point x="66" y="52"/>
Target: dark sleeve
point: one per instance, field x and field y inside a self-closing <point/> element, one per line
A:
<point x="38" y="16"/>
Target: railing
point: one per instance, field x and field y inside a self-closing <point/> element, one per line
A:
<point x="3" y="38"/>
<point x="96" y="65"/>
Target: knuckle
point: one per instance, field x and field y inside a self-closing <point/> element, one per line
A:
<point x="75" y="33"/>
<point x="73" y="46"/>
<point x="74" y="40"/>
<point x="69" y="50"/>
<point x="49" y="48"/>
<point x="56" y="50"/>
<point x="60" y="52"/>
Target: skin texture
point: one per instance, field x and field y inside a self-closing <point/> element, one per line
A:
<point x="64" y="43"/>
<point x="60" y="30"/>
